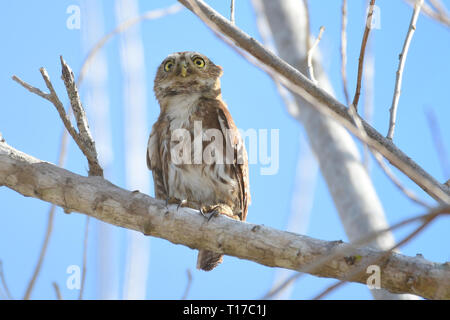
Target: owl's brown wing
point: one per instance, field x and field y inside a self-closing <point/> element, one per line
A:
<point x="154" y="164"/>
<point x="239" y="166"/>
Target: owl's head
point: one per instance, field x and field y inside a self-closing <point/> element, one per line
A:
<point x="186" y="73"/>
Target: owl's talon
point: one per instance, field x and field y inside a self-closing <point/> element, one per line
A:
<point x="212" y="211"/>
<point x="215" y="213"/>
<point x="208" y="214"/>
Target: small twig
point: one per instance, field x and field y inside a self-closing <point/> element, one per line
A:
<point x="83" y="272"/>
<point x="3" y="281"/>
<point x="38" y="267"/>
<point x="362" y="53"/>
<point x="86" y="143"/>
<point x="232" y="19"/>
<point x="188" y="285"/>
<point x="57" y="291"/>
<point x="401" y="67"/>
<point x="310" y="55"/>
<point x="83" y="138"/>
<point x="344" y="52"/>
<point x="32" y="89"/>
<point x="52" y="97"/>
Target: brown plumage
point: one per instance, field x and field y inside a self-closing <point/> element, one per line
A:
<point x="187" y="87"/>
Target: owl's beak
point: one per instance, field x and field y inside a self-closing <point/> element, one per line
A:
<point x="183" y="69"/>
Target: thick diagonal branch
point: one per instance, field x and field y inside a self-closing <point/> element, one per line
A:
<point x="100" y="199"/>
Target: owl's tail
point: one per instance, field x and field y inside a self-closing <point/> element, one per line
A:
<point x="208" y="260"/>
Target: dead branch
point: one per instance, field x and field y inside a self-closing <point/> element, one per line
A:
<point x="362" y="53"/>
<point x="401" y="68"/>
<point x="83" y="137"/>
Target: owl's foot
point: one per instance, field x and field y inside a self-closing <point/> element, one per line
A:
<point x="211" y="211"/>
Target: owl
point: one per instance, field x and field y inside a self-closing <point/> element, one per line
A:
<point x="195" y="152"/>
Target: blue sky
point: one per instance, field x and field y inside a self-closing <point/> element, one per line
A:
<point x="34" y="34"/>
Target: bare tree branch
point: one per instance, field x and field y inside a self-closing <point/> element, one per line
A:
<point x="84" y="261"/>
<point x="102" y="200"/>
<point x="232" y="9"/>
<point x="57" y="291"/>
<point x="401" y="67"/>
<point x="311" y="53"/>
<point x="3" y="280"/>
<point x="362" y="53"/>
<point x="369" y="89"/>
<point x="83" y="137"/>
<point x="188" y="285"/>
<point x="38" y="267"/>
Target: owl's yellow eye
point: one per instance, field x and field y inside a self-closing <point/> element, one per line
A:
<point x="168" y="65"/>
<point x="199" y="62"/>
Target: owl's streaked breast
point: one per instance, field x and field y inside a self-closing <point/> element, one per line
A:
<point x="206" y="183"/>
